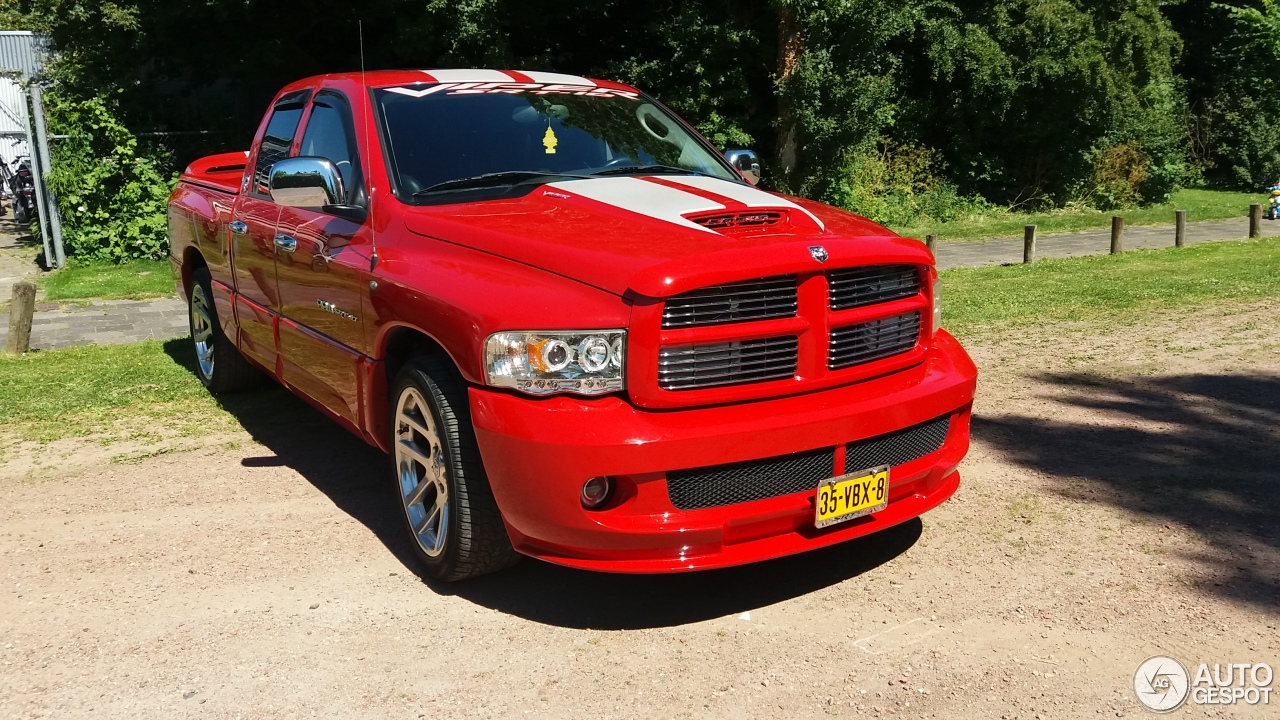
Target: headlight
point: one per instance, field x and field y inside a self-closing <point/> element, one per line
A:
<point x="586" y="362"/>
<point x="937" y="305"/>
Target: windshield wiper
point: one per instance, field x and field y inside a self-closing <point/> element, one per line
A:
<point x="494" y="179"/>
<point x="647" y="170"/>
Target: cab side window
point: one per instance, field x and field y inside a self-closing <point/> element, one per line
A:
<point x="275" y="145"/>
<point x="328" y="135"/>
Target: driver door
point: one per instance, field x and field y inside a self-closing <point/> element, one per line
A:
<point x="323" y="274"/>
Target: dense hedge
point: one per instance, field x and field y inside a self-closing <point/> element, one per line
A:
<point x="111" y="195"/>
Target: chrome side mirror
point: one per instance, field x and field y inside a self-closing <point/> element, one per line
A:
<point x="306" y="182"/>
<point x="745" y="162"/>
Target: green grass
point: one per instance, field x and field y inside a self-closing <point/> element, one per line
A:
<point x="134" y="280"/>
<point x="1199" y="204"/>
<point x="90" y="390"/>
<point x="1109" y="286"/>
<point x="146" y="393"/>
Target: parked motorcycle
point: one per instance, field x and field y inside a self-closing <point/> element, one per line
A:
<point x="23" y="187"/>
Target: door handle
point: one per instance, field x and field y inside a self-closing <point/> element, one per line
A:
<point x="239" y="227"/>
<point x="286" y="243"/>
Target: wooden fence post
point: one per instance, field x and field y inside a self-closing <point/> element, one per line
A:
<point x="20" y="312"/>
<point x="1029" y="244"/>
<point x="931" y="242"/>
<point x="1117" y="234"/>
<point x="1180" y="229"/>
<point x="1255" y="220"/>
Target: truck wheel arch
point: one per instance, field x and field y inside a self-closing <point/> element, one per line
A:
<point x="192" y="260"/>
<point x="396" y="346"/>
<point x="401" y="343"/>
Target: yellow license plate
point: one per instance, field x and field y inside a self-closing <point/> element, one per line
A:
<point x="852" y="496"/>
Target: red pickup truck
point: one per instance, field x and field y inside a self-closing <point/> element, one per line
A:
<point x="577" y="329"/>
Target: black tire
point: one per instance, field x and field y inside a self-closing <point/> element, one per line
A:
<point x="19" y="212"/>
<point x="225" y="370"/>
<point x="475" y="541"/>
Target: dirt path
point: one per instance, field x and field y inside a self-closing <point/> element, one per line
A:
<point x="1119" y="502"/>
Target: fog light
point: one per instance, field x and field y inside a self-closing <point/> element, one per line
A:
<point x="596" y="491"/>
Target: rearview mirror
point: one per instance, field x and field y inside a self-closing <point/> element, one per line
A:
<point x="745" y="162"/>
<point x="306" y="182"/>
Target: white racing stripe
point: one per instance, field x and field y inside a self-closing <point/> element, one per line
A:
<point x="556" y="78"/>
<point x="645" y="198"/>
<point x="474" y="75"/>
<point x="744" y="194"/>
<point x="482" y="75"/>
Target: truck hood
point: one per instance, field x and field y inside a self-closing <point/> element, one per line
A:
<point x="658" y="236"/>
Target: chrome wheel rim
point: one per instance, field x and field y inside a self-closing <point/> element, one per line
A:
<point x="202" y="331"/>
<point x="421" y="473"/>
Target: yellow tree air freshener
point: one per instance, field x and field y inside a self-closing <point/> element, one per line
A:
<point x="549" y="141"/>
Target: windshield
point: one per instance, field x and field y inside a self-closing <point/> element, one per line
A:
<point x="443" y="138"/>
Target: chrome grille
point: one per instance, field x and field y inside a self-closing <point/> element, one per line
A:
<point x="859" y="287"/>
<point x="763" y="299"/>
<point x="875" y="340"/>
<point x="732" y="363"/>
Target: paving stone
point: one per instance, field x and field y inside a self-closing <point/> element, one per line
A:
<point x="1000" y="251"/>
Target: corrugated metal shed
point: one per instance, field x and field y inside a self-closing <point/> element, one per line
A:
<point x="21" y="61"/>
<point x="21" y="58"/>
<point x="13" y="132"/>
<point x="22" y="51"/>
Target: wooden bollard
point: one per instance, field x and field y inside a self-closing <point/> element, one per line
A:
<point x="931" y="242"/>
<point x="1255" y="220"/>
<point x="1029" y="244"/>
<point x="20" y="312"/>
<point x="1117" y="235"/>
<point x="1180" y="229"/>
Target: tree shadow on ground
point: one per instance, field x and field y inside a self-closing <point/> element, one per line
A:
<point x="18" y="234"/>
<point x="17" y="237"/>
<point x="355" y="477"/>
<point x="1198" y="450"/>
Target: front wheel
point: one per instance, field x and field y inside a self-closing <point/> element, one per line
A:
<point x="452" y="519"/>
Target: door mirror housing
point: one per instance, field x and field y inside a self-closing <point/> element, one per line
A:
<point x="747" y="163"/>
<point x="313" y="182"/>
<point x="306" y="182"/>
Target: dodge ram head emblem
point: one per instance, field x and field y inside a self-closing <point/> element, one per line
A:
<point x="819" y="253"/>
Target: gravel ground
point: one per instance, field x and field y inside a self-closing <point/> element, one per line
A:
<point x="1119" y="502"/>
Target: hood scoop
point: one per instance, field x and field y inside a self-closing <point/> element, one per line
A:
<point x="754" y="221"/>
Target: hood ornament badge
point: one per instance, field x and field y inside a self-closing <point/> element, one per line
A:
<point x="819" y="253"/>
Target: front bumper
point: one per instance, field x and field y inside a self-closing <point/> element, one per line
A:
<point x="539" y="452"/>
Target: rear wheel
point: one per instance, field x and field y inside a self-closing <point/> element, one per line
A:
<point x="453" y="522"/>
<point x="219" y="365"/>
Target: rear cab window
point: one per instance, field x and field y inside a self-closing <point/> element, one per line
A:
<point x="278" y="139"/>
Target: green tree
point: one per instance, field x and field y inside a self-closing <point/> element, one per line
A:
<point x="1022" y="95"/>
<point x="1232" y="52"/>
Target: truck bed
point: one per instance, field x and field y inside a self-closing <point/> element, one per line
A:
<point x="199" y="210"/>
<point x="217" y="172"/>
